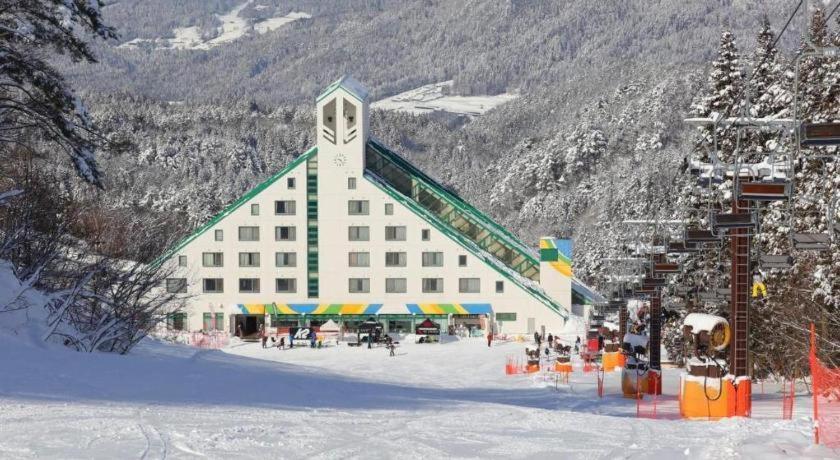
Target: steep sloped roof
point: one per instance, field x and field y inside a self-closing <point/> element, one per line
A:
<point x="348" y="83"/>
<point x="234" y="206"/>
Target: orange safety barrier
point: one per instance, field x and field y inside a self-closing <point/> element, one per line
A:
<point x="514" y="366"/>
<point x="654" y="382"/>
<point x="707" y="398"/>
<point x="610" y="360"/>
<point x="532" y="367"/>
<point x="826" y="388"/>
<point x="743" y="397"/>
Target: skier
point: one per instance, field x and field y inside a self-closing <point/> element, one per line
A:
<point x="577" y="344"/>
<point x="282" y="345"/>
<point x="759" y="289"/>
<point x="312" y="337"/>
<point x="489" y="339"/>
<point x="263" y="336"/>
<point x="291" y="339"/>
<point x="537" y="339"/>
<point x="550" y="340"/>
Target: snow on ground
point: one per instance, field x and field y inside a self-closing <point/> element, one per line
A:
<point x="430" y="401"/>
<point x="233" y="27"/>
<point x="431" y="98"/>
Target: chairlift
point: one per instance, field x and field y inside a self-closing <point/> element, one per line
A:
<point x="812" y="241"/>
<point x="770" y="261"/>
<point x="777" y="190"/>
<point x="811" y="134"/>
<point x="700" y="236"/>
<point x="721" y="220"/>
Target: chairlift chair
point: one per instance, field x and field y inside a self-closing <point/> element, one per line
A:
<point x="682" y="247"/>
<point x="770" y="261"/>
<point x="777" y="190"/>
<point x="720" y="220"/>
<point x="666" y="267"/>
<point x="811" y="134"/>
<point x="811" y="241"/>
<point x="700" y="236"/>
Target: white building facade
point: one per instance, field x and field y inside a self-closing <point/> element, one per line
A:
<point x="350" y="230"/>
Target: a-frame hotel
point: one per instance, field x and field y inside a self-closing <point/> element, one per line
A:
<point x="351" y="230"/>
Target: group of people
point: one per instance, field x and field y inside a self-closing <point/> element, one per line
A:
<point x="315" y="341"/>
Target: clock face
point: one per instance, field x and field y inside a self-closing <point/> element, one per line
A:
<point x="340" y="159"/>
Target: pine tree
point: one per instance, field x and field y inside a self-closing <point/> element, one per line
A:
<point x="38" y="103"/>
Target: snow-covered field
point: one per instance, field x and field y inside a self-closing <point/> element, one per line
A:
<point x="233" y="27"/>
<point x="431" y="98"/>
<point x="429" y="401"/>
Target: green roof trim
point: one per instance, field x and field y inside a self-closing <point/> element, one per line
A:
<point x="234" y="206"/>
<point x="466" y="244"/>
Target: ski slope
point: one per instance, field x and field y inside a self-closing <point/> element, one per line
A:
<point x="434" y="98"/>
<point x="233" y="27"/>
<point x="449" y="400"/>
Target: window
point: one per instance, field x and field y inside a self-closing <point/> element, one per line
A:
<point x="212" y="259"/>
<point x="432" y="284"/>
<point x="469" y="285"/>
<point x="351" y="183"/>
<point x="395" y="259"/>
<point x="290" y="183"/>
<point x="288" y="285"/>
<point x="284" y="233"/>
<point x="285" y="259"/>
<point x="462" y="261"/>
<point x="389" y="209"/>
<point x="433" y="259"/>
<point x="425" y="234"/>
<point x="249" y="233"/>
<point x="220" y="235"/>
<point x="249" y="259"/>
<point x="359" y="285"/>
<point x="359" y="233"/>
<point x="394" y="233"/>
<point x="251" y="285"/>
<point x="177" y="321"/>
<point x="213" y="285"/>
<point x="500" y="287"/>
<point x="360" y="259"/>
<point x="357" y="207"/>
<point x="395" y="285"/>
<point x="176" y="285"/>
<point x="284" y="208"/>
<point x="182" y="261"/>
<point x="211" y="325"/>
<point x="505" y="316"/>
<point x="255" y="209"/>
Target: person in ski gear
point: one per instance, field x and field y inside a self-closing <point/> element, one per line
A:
<point x="550" y="341"/>
<point x="759" y="289"/>
<point x="577" y="344"/>
<point x="489" y="339"/>
<point x="537" y="339"/>
<point x="282" y="345"/>
<point x="263" y="336"/>
<point x="312" y="338"/>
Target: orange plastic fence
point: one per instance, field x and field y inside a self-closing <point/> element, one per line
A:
<point x="647" y="408"/>
<point x="788" y="394"/>
<point x="826" y="388"/>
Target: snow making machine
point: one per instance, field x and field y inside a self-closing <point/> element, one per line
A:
<point x="635" y="341"/>
<point x="707" y="389"/>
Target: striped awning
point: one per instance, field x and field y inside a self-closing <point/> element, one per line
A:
<point x="449" y="308"/>
<point x="323" y="309"/>
<point x="254" y="308"/>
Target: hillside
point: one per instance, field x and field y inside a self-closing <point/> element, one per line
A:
<point x="600" y="91"/>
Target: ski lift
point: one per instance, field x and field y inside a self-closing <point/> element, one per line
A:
<point x="769" y="261"/>
<point x="721" y="220"/>
<point x="700" y="236"/>
<point x="655" y="282"/>
<point x="811" y="134"/>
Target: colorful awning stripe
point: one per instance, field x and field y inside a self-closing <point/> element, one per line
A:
<point x="449" y="308"/>
<point x="253" y="308"/>
<point x="558" y="254"/>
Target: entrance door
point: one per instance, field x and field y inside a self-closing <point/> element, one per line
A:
<point x="532" y="326"/>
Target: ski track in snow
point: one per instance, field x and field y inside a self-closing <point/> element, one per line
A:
<point x="432" y="401"/>
<point x="431" y="98"/>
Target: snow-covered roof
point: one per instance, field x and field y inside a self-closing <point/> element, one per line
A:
<point x="349" y="84"/>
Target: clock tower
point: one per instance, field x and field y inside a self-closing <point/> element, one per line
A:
<point x="343" y="125"/>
